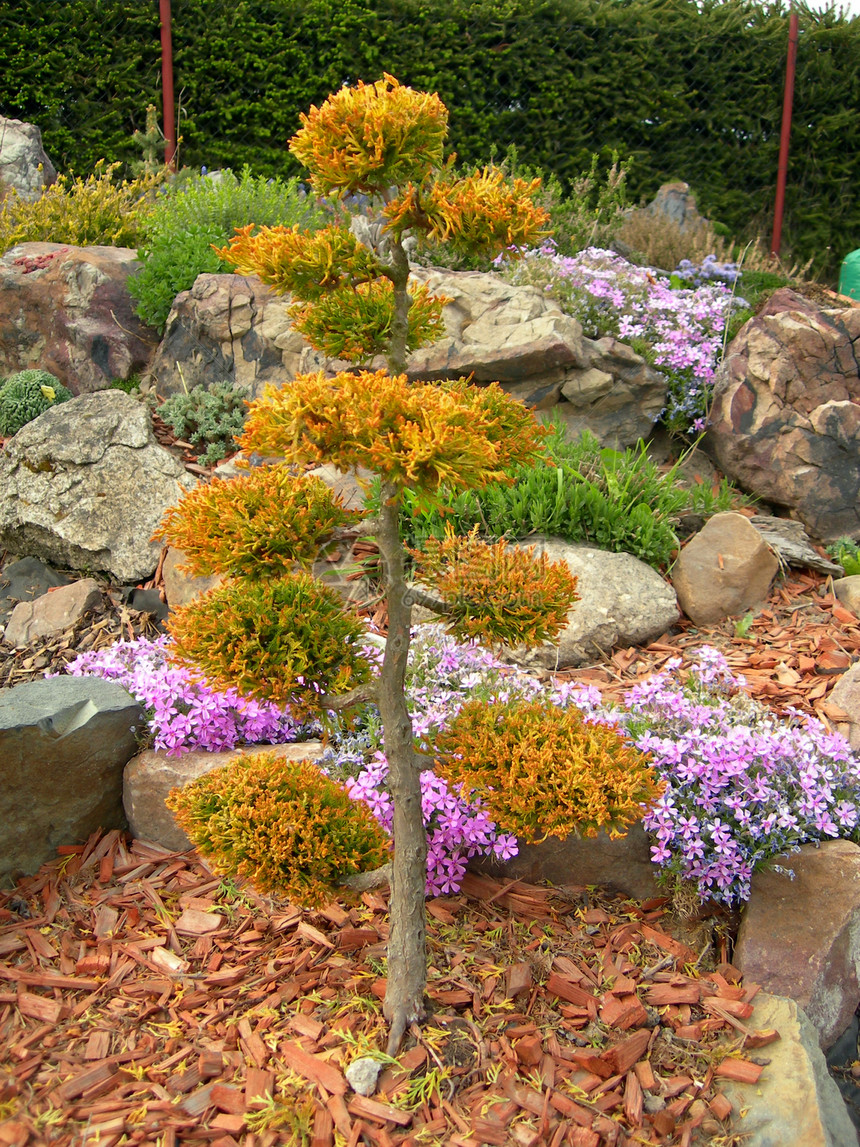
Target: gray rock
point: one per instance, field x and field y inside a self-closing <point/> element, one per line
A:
<point x="25" y="580"/>
<point x="792" y="544"/>
<point x="622" y="602"/>
<point x="229" y="328"/>
<point x="64" y="743"/>
<point x="362" y="1074"/>
<point x="52" y="612"/>
<point x="801" y="937"/>
<point x="24" y="165"/>
<point x="151" y="775"/>
<point x="622" y="865"/>
<point x="85" y="485"/>
<point x="795" y="1102"/>
<point x="726" y="569"/>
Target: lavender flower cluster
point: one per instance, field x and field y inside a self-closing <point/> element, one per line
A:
<point x="710" y="270"/>
<point x="184" y="712"/>
<point x="742" y="785"/>
<point x="683" y="328"/>
<point x="442" y="676"/>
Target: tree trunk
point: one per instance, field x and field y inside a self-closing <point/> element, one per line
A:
<point x="407" y="961"/>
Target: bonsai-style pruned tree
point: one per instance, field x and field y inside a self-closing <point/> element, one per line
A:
<point x="270" y="629"/>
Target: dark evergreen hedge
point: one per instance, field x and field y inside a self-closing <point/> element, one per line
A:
<point x="690" y="91"/>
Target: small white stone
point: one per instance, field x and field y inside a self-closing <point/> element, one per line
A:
<point x="362" y="1075"/>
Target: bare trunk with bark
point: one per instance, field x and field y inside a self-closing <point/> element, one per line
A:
<point x="407" y="961"/>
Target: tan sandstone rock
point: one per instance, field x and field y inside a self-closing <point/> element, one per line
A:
<point x="726" y="569"/>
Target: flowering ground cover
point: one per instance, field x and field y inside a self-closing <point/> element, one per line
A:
<point x="742" y="783"/>
<point x="679" y="328"/>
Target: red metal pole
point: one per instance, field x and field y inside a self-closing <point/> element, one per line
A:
<point x="169" y="115"/>
<point x="787" y="103"/>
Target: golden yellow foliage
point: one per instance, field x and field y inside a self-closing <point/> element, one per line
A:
<point x="258" y="525"/>
<point x="543" y="771"/>
<point x="306" y="264"/>
<point x="421" y="434"/>
<point x="371" y="137"/>
<point x="485" y="211"/>
<point x="497" y="593"/>
<point x="282" y="824"/>
<point x="354" y="323"/>
<point x="286" y="640"/>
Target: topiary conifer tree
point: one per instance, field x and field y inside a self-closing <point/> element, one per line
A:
<point x="270" y="629"/>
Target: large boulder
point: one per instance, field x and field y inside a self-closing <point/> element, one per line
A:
<point x="800" y="935"/>
<point x="785" y="423"/>
<point x="622" y="602"/>
<point x="85" y="485"/>
<point x="64" y="743"/>
<point x="24" y="166"/>
<point x="231" y="327"/>
<point x="67" y="310"/>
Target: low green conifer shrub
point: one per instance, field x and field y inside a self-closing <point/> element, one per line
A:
<point x="544" y="771"/>
<point x="26" y="395"/>
<point x="283" y="825"/>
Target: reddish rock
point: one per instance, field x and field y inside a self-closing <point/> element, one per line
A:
<point x="726" y="569"/>
<point x="785" y="423"/>
<point x="67" y="310"/>
<point x="801" y="937"/>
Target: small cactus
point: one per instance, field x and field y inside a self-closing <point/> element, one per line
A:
<point x="26" y="395"/>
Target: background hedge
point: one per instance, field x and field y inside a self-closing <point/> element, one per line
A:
<point x="690" y="90"/>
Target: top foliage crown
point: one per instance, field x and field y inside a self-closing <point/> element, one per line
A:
<point x="371" y="137"/>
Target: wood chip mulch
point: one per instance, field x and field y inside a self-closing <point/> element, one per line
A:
<point x="144" y="1000"/>
<point x="792" y="655"/>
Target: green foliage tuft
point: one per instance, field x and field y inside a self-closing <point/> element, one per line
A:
<point x="26" y="395"/>
<point x="196" y="215"/>
<point x="284" y="825"/>
<point x="97" y="211"/>
<point x="847" y="553"/>
<point x="213" y="416"/>
<point x="544" y="771"/>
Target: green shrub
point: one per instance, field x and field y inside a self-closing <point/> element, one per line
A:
<point x="544" y="771"/>
<point x="284" y="825"/>
<point x="26" y="395"/>
<point x="97" y="211"/>
<point x="212" y="417"/>
<point x="206" y="211"/>
<point x="847" y="553"/>
<point x="616" y="500"/>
